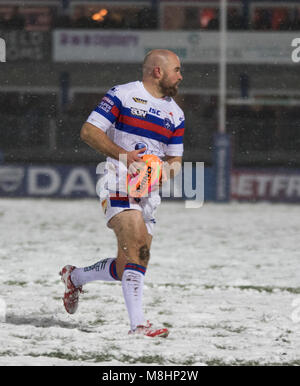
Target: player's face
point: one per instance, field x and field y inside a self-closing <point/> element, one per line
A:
<point x="171" y="77"/>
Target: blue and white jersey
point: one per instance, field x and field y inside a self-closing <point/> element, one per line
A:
<point x="133" y="118"/>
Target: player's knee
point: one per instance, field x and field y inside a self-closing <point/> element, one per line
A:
<point x="144" y="254"/>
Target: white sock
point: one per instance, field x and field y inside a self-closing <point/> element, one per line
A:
<point x="132" y="285"/>
<point x="103" y="270"/>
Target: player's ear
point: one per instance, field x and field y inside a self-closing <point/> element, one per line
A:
<point x="157" y="72"/>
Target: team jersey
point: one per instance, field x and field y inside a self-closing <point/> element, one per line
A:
<point x="132" y="118"/>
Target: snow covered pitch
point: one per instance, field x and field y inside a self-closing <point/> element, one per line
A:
<point x="224" y="279"/>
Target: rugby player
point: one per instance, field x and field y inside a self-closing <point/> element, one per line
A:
<point x="132" y="119"/>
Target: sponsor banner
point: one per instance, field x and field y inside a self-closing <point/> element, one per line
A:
<point x="66" y="181"/>
<point x="47" y="181"/>
<point x="271" y="185"/>
<point x="191" y="46"/>
<point x="28" y="46"/>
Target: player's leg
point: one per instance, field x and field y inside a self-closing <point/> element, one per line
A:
<point x="106" y="269"/>
<point x="111" y="269"/>
<point x="133" y="256"/>
<point x="74" y="278"/>
<point x="134" y="241"/>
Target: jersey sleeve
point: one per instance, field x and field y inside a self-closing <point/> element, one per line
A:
<point x="175" y="144"/>
<point x="107" y="111"/>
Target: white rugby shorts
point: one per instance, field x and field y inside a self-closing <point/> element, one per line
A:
<point x="113" y="203"/>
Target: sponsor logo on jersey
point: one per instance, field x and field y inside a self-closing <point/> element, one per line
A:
<point x="154" y="111"/>
<point x="139" y="100"/>
<point x="108" y="100"/>
<point x="168" y="123"/>
<point x="140" y="145"/>
<point x="105" y="106"/>
<point x="138" y="112"/>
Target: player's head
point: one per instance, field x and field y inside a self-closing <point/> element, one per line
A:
<point x="163" y="68"/>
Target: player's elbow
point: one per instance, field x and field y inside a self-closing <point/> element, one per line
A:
<point x="85" y="133"/>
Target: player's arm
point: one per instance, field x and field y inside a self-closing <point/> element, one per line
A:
<point x="171" y="167"/>
<point x="99" y="141"/>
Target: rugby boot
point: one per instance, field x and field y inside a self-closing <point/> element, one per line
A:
<point x="71" y="295"/>
<point x="149" y="331"/>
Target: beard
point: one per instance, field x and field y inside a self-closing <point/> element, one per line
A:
<point x="167" y="89"/>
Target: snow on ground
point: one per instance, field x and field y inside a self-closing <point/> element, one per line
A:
<point x="224" y="279"/>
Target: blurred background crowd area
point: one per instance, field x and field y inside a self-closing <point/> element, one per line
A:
<point x="173" y="15"/>
<point x="35" y="125"/>
<point x="43" y="103"/>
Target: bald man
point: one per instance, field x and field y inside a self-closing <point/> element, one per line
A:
<point x="131" y="120"/>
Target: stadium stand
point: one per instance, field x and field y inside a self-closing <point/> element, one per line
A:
<point x="44" y="122"/>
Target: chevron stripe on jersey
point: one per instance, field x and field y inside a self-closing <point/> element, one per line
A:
<point x="109" y="107"/>
<point x="177" y="137"/>
<point x="148" y="127"/>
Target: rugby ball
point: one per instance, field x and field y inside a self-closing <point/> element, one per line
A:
<point x="147" y="179"/>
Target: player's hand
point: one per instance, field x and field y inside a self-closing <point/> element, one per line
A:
<point x="134" y="162"/>
<point x="165" y="172"/>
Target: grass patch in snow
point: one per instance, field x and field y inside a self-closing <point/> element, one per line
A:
<point x="14" y="282"/>
<point x="103" y="357"/>
<point x="236" y="330"/>
<point x="239" y="362"/>
<point x="267" y="289"/>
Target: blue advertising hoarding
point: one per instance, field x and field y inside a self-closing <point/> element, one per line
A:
<point x="67" y="181"/>
<point x="70" y="181"/>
